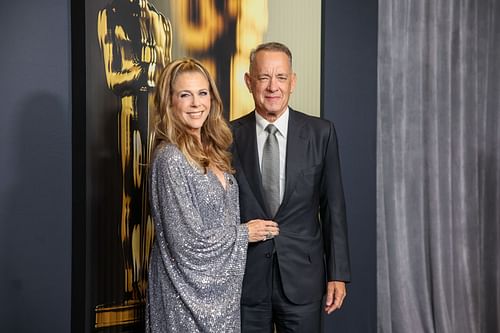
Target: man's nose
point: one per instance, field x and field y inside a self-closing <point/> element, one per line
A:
<point x="272" y="86"/>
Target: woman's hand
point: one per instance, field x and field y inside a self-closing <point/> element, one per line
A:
<point x="262" y="230"/>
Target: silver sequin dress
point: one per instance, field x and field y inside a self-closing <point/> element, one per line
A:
<point x="199" y="254"/>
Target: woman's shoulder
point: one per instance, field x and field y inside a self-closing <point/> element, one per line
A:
<point x="167" y="149"/>
<point x="167" y="153"/>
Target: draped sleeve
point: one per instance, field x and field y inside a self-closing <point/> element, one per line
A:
<point x="199" y="253"/>
<point x="195" y="216"/>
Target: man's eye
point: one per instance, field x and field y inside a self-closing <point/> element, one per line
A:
<point x="263" y="78"/>
<point x="282" y="78"/>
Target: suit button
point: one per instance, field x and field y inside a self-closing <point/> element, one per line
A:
<point x="269" y="255"/>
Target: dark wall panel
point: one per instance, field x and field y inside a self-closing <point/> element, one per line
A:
<point x="350" y="100"/>
<point x="35" y="167"/>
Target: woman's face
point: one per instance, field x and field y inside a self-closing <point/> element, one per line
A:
<point x="191" y="99"/>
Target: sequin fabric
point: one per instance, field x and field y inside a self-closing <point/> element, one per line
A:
<point x="199" y="253"/>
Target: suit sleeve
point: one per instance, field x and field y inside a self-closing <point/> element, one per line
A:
<point x="333" y="214"/>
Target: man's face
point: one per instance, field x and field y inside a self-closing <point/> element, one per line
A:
<point x="271" y="81"/>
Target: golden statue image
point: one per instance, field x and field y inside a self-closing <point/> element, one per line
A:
<point x="136" y="42"/>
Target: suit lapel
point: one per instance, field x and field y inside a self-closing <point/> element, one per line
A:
<point x="246" y="142"/>
<point x="295" y="148"/>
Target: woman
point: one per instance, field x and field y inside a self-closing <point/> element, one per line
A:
<point x="198" y="258"/>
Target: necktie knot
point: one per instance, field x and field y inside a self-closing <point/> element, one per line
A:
<point x="271" y="129"/>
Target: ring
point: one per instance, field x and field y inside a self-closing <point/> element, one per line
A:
<point x="269" y="235"/>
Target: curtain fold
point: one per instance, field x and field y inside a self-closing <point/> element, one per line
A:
<point x="438" y="166"/>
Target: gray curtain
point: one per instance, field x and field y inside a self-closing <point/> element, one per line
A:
<point x="438" y="166"/>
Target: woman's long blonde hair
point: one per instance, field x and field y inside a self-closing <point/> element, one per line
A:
<point x="216" y="137"/>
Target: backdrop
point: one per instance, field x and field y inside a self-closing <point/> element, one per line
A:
<point x="127" y="44"/>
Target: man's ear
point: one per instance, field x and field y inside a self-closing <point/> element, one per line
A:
<point x="248" y="82"/>
<point x="294" y="81"/>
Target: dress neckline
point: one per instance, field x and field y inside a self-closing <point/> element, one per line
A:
<point x="222" y="185"/>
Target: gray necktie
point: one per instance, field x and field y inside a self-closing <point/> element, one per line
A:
<point x="271" y="169"/>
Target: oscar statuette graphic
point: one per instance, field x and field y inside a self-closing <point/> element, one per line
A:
<point x="135" y="41"/>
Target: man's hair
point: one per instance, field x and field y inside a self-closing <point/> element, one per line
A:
<point x="272" y="47"/>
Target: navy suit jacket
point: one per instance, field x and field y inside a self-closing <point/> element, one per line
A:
<point x="312" y="245"/>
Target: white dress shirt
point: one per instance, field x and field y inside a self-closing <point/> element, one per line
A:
<point x="282" y="125"/>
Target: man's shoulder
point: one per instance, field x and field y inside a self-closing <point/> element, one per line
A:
<point x="243" y="120"/>
<point x="313" y="121"/>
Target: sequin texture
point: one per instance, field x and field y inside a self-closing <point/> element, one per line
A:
<point x="199" y="254"/>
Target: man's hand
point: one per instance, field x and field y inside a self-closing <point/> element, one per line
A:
<point x="335" y="294"/>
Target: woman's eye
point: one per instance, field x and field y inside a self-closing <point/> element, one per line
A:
<point x="203" y="93"/>
<point x="183" y="95"/>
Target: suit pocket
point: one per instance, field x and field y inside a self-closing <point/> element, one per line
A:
<point x="310" y="178"/>
<point x="312" y="170"/>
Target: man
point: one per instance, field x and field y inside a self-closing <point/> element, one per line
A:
<point x="289" y="173"/>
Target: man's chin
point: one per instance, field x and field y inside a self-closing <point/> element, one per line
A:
<point x="271" y="116"/>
